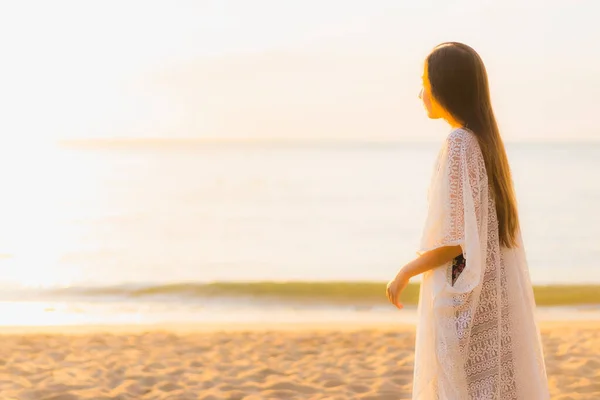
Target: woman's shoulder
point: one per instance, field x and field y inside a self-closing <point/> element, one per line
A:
<point x="461" y="140"/>
<point x="463" y="143"/>
<point x="461" y="135"/>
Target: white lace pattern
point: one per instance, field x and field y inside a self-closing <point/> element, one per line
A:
<point x="476" y="339"/>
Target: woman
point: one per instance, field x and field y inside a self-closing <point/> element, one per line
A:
<point x="476" y="337"/>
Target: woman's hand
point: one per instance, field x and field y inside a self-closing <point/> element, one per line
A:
<point x="425" y="262"/>
<point x="395" y="287"/>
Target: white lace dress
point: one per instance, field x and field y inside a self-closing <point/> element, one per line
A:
<point x="476" y="339"/>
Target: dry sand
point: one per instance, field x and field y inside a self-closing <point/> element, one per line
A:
<point x="252" y="362"/>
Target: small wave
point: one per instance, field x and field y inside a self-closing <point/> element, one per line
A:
<point x="322" y="292"/>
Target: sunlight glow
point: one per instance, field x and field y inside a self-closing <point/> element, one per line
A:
<point x="267" y="68"/>
<point x="38" y="183"/>
<point x="337" y="70"/>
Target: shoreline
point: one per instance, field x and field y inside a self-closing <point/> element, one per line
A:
<point x="57" y="317"/>
<point x="215" y="327"/>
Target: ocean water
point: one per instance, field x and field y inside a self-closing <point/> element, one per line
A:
<point x="153" y="214"/>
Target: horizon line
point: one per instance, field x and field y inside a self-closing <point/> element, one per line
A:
<point x="290" y="141"/>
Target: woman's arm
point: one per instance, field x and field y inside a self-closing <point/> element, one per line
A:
<point x="430" y="260"/>
<point x="426" y="261"/>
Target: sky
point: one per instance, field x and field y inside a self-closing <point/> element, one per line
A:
<point x="287" y="70"/>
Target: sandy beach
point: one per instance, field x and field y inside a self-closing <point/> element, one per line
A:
<point x="251" y="362"/>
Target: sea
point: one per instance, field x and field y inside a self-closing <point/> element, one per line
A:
<point x="86" y="227"/>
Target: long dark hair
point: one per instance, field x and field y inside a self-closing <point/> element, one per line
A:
<point x="459" y="83"/>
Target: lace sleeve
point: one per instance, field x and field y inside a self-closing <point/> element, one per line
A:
<point x="460" y="162"/>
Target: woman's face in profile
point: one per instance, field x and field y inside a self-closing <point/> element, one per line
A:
<point x="427" y="98"/>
